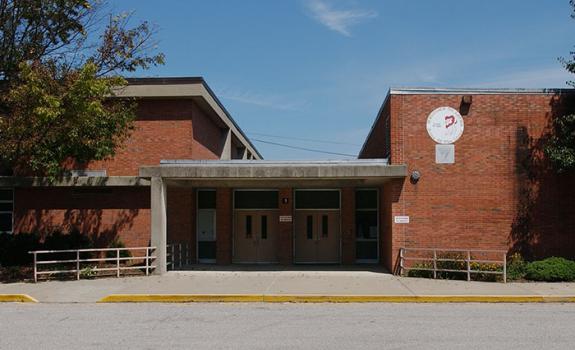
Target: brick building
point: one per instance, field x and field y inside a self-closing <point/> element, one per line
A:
<point x="189" y="174"/>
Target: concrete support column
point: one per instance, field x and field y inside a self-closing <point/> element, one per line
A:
<point x="159" y="223"/>
<point x="226" y="145"/>
<point x="348" y="225"/>
<point x="224" y="225"/>
<point x="285" y="239"/>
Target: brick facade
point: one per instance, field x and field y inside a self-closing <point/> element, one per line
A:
<point x="102" y="213"/>
<point x="499" y="194"/>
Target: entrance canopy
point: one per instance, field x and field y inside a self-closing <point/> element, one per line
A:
<point x="262" y="173"/>
<point x="257" y="174"/>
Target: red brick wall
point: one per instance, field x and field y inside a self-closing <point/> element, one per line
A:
<point x="119" y="212"/>
<point x="165" y="129"/>
<point x="181" y="210"/>
<point x="499" y="194"/>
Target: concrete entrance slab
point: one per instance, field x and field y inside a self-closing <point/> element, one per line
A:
<point x="296" y="281"/>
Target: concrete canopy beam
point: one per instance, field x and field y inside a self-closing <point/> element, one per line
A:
<point x="262" y="170"/>
<point x="159" y="234"/>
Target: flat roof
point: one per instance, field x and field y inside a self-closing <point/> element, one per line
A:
<point x="262" y="173"/>
<point x="475" y="91"/>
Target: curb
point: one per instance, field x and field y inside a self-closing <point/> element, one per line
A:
<point x="16" y="298"/>
<point x="259" y="298"/>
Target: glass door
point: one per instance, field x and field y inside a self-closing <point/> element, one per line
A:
<point x="367" y="228"/>
<point x="206" y="226"/>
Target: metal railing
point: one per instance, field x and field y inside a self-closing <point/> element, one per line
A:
<point x="74" y="261"/>
<point x="177" y="255"/>
<point x="432" y="259"/>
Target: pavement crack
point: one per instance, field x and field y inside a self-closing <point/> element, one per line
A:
<point x="405" y="286"/>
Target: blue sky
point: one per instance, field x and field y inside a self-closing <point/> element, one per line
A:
<point x="320" y="69"/>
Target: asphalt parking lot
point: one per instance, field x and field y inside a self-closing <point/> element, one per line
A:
<point x="287" y="326"/>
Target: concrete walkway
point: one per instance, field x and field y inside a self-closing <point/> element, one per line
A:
<point x="273" y="282"/>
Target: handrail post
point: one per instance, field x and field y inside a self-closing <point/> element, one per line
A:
<point x="180" y="255"/>
<point x="117" y="262"/>
<point x="147" y="261"/>
<point x="504" y="267"/>
<point x="173" y="256"/>
<point x="468" y="265"/>
<point x="78" y="265"/>
<point x="35" y="268"/>
<point x="400" y="261"/>
<point x="434" y="264"/>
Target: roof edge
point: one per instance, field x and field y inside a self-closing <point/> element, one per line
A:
<point x="164" y="80"/>
<point x="476" y="91"/>
<point x="371" y="130"/>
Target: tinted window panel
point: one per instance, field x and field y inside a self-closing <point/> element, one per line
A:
<point x="264" y="227"/>
<point x="256" y="199"/>
<point x="207" y="199"/>
<point x="6" y="222"/>
<point x="317" y="199"/>
<point x="5" y="194"/>
<point x="366" y="224"/>
<point x="366" y="199"/>
<point x="5" y="206"/>
<point x="248" y="226"/>
<point x="309" y="227"/>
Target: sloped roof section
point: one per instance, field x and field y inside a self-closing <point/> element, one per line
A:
<point x="186" y="87"/>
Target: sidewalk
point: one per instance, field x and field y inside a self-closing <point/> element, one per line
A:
<point x="258" y="283"/>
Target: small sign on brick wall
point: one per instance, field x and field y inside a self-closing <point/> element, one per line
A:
<point x="401" y="219"/>
<point x="285" y="218"/>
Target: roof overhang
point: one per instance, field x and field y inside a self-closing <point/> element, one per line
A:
<point x="272" y="174"/>
<point x="194" y="88"/>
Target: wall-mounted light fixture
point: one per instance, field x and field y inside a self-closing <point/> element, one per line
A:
<point x="285" y="200"/>
<point x="415" y="176"/>
<point x="465" y="105"/>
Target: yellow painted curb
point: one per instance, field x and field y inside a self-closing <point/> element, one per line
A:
<point x="242" y="298"/>
<point x="16" y="298"/>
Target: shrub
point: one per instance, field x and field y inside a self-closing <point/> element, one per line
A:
<point x="117" y="243"/>
<point x="552" y="269"/>
<point x="516" y="267"/>
<point x="14" y="248"/>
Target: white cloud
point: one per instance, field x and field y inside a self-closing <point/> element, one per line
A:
<point x="337" y="20"/>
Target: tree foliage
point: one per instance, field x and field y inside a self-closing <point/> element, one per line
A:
<point x="61" y="62"/>
<point x="561" y="146"/>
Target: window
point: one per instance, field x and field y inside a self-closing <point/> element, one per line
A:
<point x="366" y="214"/>
<point x="264" y="227"/>
<point x="309" y="227"/>
<point x="206" y="199"/>
<point x="253" y="199"/>
<point x="324" y="228"/>
<point x="248" y="226"/>
<point x="316" y="199"/>
<point x="6" y="209"/>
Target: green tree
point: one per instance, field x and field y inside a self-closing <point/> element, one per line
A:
<point x="561" y="146"/>
<point x="61" y="62"/>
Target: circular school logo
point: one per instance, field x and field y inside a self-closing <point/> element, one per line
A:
<point x="445" y="125"/>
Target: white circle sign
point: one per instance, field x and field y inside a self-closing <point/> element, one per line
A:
<point x="445" y="125"/>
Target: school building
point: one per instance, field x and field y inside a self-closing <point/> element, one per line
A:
<point x="440" y="168"/>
